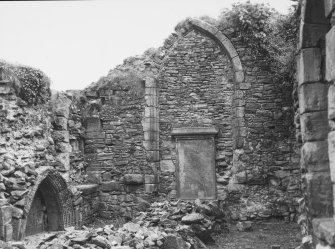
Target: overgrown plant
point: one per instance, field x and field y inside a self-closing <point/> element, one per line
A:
<point x="35" y="88"/>
<point x="130" y="80"/>
<point x="253" y="23"/>
<point x="269" y="36"/>
<point x="30" y="84"/>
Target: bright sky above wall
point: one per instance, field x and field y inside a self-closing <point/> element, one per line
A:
<point x="77" y="42"/>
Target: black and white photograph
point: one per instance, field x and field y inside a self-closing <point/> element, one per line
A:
<point x="167" y="124"/>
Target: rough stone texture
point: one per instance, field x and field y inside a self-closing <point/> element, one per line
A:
<point x="119" y="135"/>
<point x="314" y="126"/>
<point x="196" y="169"/>
<point x="325" y="230"/>
<point x="317" y="187"/>
<point x="312" y="97"/>
<point x="197" y="89"/>
<point x="330" y="57"/>
<point x="329" y="7"/>
<point x="319" y="194"/>
<point x="309" y="64"/>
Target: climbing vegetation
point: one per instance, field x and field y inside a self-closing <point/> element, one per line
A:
<point x="30" y="84"/>
<point x="129" y="80"/>
<point x="35" y="85"/>
<point x="269" y="35"/>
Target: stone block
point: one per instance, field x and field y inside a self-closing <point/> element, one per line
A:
<point x="94" y="177"/>
<point x="172" y="242"/>
<point x="151" y="101"/>
<point x="204" y="26"/>
<point x="237" y="65"/>
<point x="60" y="123"/>
<point x="330" y="55"/>
<point x="239" y="76"/>
<point x="95" y="135"/>
<point x="5" y="215"/>
<point x="152" y="155"/>
<point x="8" y="236"/>
<point x="245" y="86"/>
<point x="226" y="44"/>
<point x="150" y="124"/>
<point x="63" y="147"/>
<point x="319" y="194"/>
<point x="313" y="11"/>
<point x="312" y="97"/>
<point x="150" y="112"/>
<point x="92" y="123"/>
<point x="105" y="156"/>
<point x="310" y="34"/>
<point x="329" y="7"/>
<point x="314" y="156"/>
<point x="151" y="179"/>
<point x="88" y="189"/>
<point x="150" y="91"/>
<point x="61" y="105"/>
<point x="314" y="126"/>
<point x="324" y="230"/>
<point x="150" y="145"/>
<point x="150" y="82"/>
<point x="309" y="65"/>
<point x="61" y="136"/>
<point x="63" y="161"/>
<point x="151" y="135"/>
<point x="150" y="188"/>
<point x="111" y="186"/>
<point x="331" y="152"/>
<point x="331" y="102"/>
<point x="134" y="188"/>
<point x="240" y="112"/>
<point x="167" y="166"/>
<point x="133" y="179"/>
<point x="154" y="166"/>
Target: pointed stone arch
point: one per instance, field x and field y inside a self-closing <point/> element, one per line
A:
<point x="233" y="106"/>
<point x="227" y="46"/>
<point x="58" y="202"/>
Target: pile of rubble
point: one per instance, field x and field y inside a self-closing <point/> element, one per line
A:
<point x="163" y="225"/>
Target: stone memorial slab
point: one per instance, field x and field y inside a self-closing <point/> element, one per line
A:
<point x="195" y="172"/>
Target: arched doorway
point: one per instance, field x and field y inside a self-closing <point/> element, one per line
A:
<point x="45" y="213"/>
<point x="48" y="205"/>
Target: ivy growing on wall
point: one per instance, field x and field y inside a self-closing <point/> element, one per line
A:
<point x="269" y="35"/>
<point x="30" y="84"/>
<point x="35" y="85"/>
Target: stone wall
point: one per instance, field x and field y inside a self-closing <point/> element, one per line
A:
<point x="316" y="77"/>
<point x="35" y="150"/>
<point x="114" y="147"/>
<point x="200" y="84"/>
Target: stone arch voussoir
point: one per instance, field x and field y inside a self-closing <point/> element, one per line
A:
<point x="227" y="46"/>
<point x="63" y="199"/>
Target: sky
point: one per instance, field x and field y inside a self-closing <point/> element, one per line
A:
<point x="77" y="42"/>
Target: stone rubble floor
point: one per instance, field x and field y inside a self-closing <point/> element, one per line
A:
<point x="264" y="235"/>
<point x="154" y="227"/>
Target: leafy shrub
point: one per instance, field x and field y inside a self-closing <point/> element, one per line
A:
<point x="30" y="84"/>
<point x="270" y="36"/>
<point x="130" y="80"/>
<point x="253" y="23"/>
<point x="35" y="87"/>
